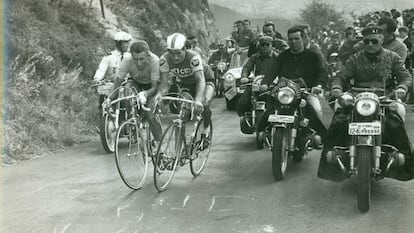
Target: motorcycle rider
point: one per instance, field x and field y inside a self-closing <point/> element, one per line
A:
<point x="299" y="62"/>
<point x="279" y="44"/>
<point x="372" y="67"/>
<point x="142" y="66"/>
<point x="109" y="65"/>
<point x="216" y="61"/>
<point x="187" y="66"/>
<point x="260" y="63"/>
<point x="220" y="55"/>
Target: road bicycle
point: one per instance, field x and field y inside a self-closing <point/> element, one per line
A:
<point x="111" y="115"/>
<point x="176" y="149"/>
<point x="133" y="145"/>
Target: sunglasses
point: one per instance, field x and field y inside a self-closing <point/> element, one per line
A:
<point x="373" y="41"/>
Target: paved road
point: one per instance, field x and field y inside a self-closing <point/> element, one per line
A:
<point x="80" y="191"/>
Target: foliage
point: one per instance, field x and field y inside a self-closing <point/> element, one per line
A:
<point x="318" y="14"/>
<point x="166" y="17"/>
<point x="54" y="49"/>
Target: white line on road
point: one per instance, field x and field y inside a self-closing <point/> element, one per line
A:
<point x="118" y="211"/>
<point x="140" y="217"/>
<point x="39" y="189"/>
<point x="300" y="205"/>
<point x="269" y="229"/>
<point x="123" y="229"/>
<point x="77" y="195"/>
<point x="65" y="228"/>
<point x="185" y="200"/>
<point x="213" y="201"/>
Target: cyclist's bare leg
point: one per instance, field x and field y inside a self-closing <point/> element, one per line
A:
<point x="208" y="96"/>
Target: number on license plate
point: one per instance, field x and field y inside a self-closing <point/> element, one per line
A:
<point x="281" y="118"/>
<point x="364" y="128"/>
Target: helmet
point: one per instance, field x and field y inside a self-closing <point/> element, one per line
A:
<point x="176" y="41"/>
<point x="122" y="36"/>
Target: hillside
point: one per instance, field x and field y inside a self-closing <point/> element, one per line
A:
<point x="225" y="17"/>
<point x="290" y="9"/>
<point x="54" y="48"/>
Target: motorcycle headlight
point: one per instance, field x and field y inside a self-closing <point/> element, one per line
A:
<point x="346" y="100"/>
<point x="285" y="95"/>
<point x="228" y="78"/>
<point x="366" y="107"/>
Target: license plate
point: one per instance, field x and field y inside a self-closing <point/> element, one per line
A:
<point x="364" y="128"/>
<point x="281" y="118"/>
<point x="231" y="93"/>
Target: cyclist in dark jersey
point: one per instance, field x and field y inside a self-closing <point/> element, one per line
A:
<point x="186" y="67"/>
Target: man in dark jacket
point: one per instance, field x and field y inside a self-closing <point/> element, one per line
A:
<point x="260" y="63"/>
<point x="299" y="62"/>
<point x="372" y="67"/>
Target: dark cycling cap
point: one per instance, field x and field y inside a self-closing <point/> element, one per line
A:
<point x="371" y="30"/>
<point x="139" y="47"/>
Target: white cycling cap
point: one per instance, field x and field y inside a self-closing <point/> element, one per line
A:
<point x="176" y="41"/>
<point x="122" y="36"/>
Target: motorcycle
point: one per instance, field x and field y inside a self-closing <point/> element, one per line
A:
<point x="219" y="70"/>
<point x="231" y="81"/>
<point x="110" y="115"/>
<point x="288" y="134"/>
<point x="249" y="122"/>
<point x="367" y="156"/>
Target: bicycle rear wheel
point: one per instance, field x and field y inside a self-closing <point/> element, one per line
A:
<point x="131" y="156"/>
<point x="200" y="148"/>
<point x="167" y="157"/>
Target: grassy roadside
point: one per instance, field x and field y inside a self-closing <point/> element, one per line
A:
<point x="53" y="48"/>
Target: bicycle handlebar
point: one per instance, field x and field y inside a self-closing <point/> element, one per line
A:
<point x="178" y="99"/>
<point x="141" y="106"/>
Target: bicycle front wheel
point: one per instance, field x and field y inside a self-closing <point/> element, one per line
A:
<point x="167" y="157"/>
<point x="200" y="148"/>
<point x="131" y="156"/>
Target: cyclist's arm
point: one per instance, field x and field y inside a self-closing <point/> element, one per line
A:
<point x="101" y="71"/>
<point x="200" y="85"/>
<point x="155" y="75"/>
<point x="163" y="86"/>
<point x="209" y="89"/>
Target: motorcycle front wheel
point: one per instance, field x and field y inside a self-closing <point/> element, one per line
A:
<point x="280" y="154"/>
<point x="364" y="154"/>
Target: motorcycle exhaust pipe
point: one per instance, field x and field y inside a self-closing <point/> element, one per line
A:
<point x="293" y="139"/>
<point x="269" y="145"/>
<point x="397" y="159"/>
<point x="332" y="158"/>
